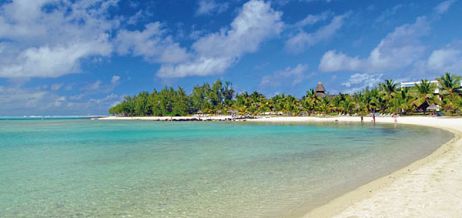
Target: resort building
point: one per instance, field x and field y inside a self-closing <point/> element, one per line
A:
<point x="320" y="91"/>
<point x="412" y="84"/>
<point x="426" y="106"/>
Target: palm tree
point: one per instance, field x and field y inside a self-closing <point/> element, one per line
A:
<point x="325" y="106"/>
<point x="336" y="103"/>
<point x="404" y="101"/>
<point x="291" y="105"/>
<point x="457" y="103"/>
<point x="388" y="91"/>
<point x="389" y="87"/>
<point x="310" y="101"/>
<point x="449" y="83"/>
<point x="450" y="90"/>
<point x="277" y="103"/>
<point x="347" y="105"/>
<point x="372" y="100"/>
<point x="360" y="102"/>
<point x="424" y="94"/>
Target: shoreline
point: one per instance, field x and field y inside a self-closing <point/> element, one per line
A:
<point x="172" y="118"/>
<point x="412" y="191"/>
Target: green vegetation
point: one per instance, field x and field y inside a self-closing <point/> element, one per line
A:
<point x="220" y="98"/>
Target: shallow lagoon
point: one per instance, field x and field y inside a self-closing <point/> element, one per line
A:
<point x="81" y="167"/>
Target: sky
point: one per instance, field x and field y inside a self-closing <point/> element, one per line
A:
<point x="80" y="57"/>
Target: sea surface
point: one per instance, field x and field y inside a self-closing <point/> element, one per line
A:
<point x="90" y="168"/>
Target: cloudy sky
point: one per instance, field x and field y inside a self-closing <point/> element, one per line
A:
<point x="79" y="57"/>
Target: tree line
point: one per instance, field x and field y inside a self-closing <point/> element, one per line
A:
<point x="220" y="98"/>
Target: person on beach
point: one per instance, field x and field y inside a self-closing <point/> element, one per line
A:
<point x="395" y="118"/>
<point x="373" y="117"/>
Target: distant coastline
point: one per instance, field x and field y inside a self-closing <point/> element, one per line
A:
<point x="51" y="117"/>
<point x="174" y="118"/>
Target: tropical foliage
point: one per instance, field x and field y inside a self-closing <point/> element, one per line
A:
<point x="220" y="98"/>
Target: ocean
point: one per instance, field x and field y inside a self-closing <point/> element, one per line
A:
<point x="91" y="168"/>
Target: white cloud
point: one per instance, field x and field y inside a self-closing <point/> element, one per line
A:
<point x="13" y="99"/>
<point x="51" y="43"/>
<point x="93" y="86"/>
<point x="362" y="78"/>
<point x="110" y="99"/>
<point x="115" y="80"/>
<point x="290" y="75"/>
<point x="360" y="81"/>
<point x="216" y="52"/>
<point x="151" y="44"/>
<point x="56" y="86"/>
<point x="444" y="6"/>
<point x="135" y="18"/>
<point x="303" y="40"/>
<point x="333" y="61"/>
<point x="327" y="1"/>
<point x="202" y="66"/>
<point x="32" y="101"/>
<point x="47" y="61"/>
<point x="447" y="59"/>
<point x="389" y="13"/>
<point x="98" y="87"/>
<point x="312" y="19"/>
<point x="206" y="7"/>
<point x="401" y="54"/>
<point x="399" y="49"/>
<point x="256" y="22"/>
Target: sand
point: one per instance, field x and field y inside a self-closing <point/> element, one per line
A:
<point x="430" y="187"/>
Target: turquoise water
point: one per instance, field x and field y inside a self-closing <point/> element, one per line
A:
<point x="85" y="168"/>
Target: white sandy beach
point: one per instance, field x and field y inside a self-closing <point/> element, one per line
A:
<point x="430" y="187"/>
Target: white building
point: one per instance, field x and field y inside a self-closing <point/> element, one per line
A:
<point x="412" y="84"/>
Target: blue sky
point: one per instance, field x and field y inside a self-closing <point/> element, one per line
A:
<point x="79" y="57"/>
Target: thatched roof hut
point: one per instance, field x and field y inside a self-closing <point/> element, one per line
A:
<point x="320" y="90"/>
<point x="423" y="107"/>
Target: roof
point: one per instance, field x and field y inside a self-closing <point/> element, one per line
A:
<point x="433" y="107"/>
<point x="412" y="84"/>
<point x="320" y="88"/>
